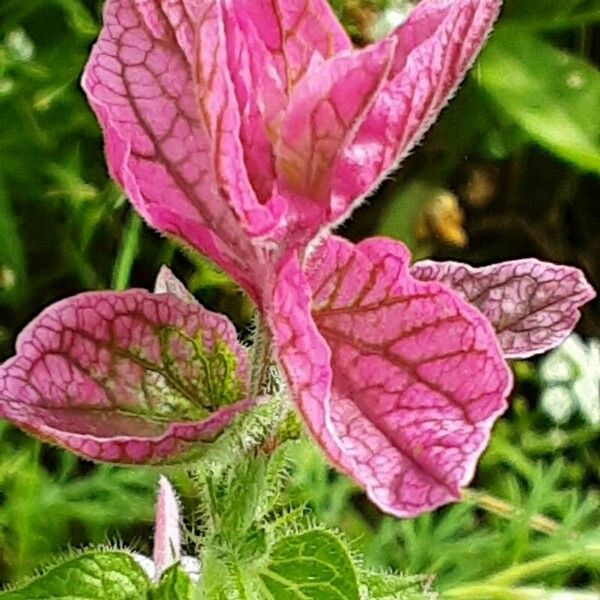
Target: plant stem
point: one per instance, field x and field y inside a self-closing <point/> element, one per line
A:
<point x="261" y="358"/>
<point x="503" y="509"/>
<point x="238" y="578"/>
<point x="554" y="562"/>
<point x="534" y="444"/>
<point x="127" y="253"/>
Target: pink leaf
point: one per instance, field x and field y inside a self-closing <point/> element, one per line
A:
<point x="167" y="534"/>
<point x="533" y="306"/>
<point x="127" y="377"/>
<point x="324" y="112"/>
<point x="167" y="283"/>
<point x="159" y="84"/>
<point x="300" y="348"/>
<point x="436" y="46"/>
<point x="294" y="31"/>
<point x="261" y="97"/>
<point x="417" y="377"/>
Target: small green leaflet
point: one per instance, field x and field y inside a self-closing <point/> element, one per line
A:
<point x="313" y="565"/>
<point x="174" y="584"/>
<point x="386" y="586"/>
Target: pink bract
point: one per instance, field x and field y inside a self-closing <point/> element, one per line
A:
<point x="244" y="127"/>
<point x="533" y="306"/>
<point x="399" y="381"/>
<point x="123" y="377"/>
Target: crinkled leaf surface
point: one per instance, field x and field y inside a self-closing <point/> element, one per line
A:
<point x="312" y="565"/>
<point x="325" y="110"/>
<point x="129" y="377"/>
<point x="435" y="47"/>
<point x="159" y="84"/>
<point x="260" y="93"/>
<point x="532" y="305"/>
<point x="294" y="31"/>
<point x="108" y="575"/>
<point x="417" y="376"/>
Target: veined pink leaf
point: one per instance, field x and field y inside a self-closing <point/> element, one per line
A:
<point x="167" y="528"/>
<point x="436" y="46"/>
<point x="294" y="31"/>
<point x="304" y="357"/>
<point x="158" y="81"/>
<point x="261" y="98"/>
<point x="300" y="348"/>
<point x="128" y="377"/>
<point x="417" y="378"/>
<point x="532" y="305"/>
<point x="324" y="112"/>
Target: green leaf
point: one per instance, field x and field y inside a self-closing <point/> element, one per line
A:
<point x="550" y="14"/>
<point x="240" y="495"/>
<point x="386" y="586"/>
<point x="175" y="584"/>
<point x="550" y="94"/>
<point x="215" y="583"/>
<point x="108" y="575"/>
<point x="313" y="565"/>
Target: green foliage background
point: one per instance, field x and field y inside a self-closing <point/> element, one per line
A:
<point x="511" y="169"/>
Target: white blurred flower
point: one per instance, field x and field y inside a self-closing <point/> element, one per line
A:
<point x="572" y="376"/>
<point x="20" y="46"/>
<point x="558" y="403"/>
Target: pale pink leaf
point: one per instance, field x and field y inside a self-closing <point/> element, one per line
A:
<point x="128" y="377"/>
<point x="435" y="47"/>
<point x="533" y="306"/>
<point x="158" y="81"/>
<point x="167" y="283"/>
<point x="418" y="378"/>
<point x="324" y="112"/>
<point x="294" y="31"/>
<point x="167" y="528"/>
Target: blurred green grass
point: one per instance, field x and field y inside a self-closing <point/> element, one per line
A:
<point x="511" y="169"/>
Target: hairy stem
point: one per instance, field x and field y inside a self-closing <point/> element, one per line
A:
<point x="503" y="509"/>
<point x="260" y="358"/>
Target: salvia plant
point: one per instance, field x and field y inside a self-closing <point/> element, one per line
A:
<point x="247" y="130"/>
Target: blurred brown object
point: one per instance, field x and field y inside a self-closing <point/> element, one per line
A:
<point x="481" y="185"/>
<point x="360" y="17"/>
<point x="442" y="219"/>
